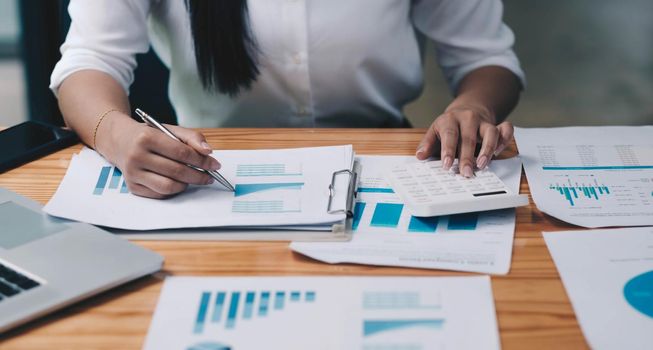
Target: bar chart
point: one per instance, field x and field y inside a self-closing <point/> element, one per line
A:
<point x="110" y="178"/>
<point x="393" y="215"/>
<point x="573" y="192"/>
<point x="226" y="309"/>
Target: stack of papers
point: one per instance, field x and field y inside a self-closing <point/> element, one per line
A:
<point x="201" y="313"/>
<point x="274" y="188"/>
<point x="385" y="233"/>
<point x="608" y="275"/>
<point x="591" y="176"/>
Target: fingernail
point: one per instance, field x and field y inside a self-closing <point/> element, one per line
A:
<point x="447" y="162"/>
<point x="499" y="150"/>
<point x="481" y="162"/>
<point x="210" y="181"/>
<point x="467" y="171"/>
<point x="215" y="165"/>
<point x="420" y="152"/>
<point x="206" y="146"/>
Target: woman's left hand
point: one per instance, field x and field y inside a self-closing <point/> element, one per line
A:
<point x="457" y="131"/>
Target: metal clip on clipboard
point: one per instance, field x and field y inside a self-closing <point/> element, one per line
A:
<point x="351" y="191"/>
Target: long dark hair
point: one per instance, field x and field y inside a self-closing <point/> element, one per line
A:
<point x="225" y="48"/>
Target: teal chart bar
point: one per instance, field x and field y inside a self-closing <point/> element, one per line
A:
<point x="423" y="224"/>
<point x="359" y="208"/>
<point x="374" y="190"/>
<point x="279" y="300"/>
<point x="219" y="306"/>
<point x="115" y="178"/>
<point x="102" y="180"/>
<point x="386" y="215"/>
<point x="249" y="305"/>
<point x="123" y="188"/>
<point x="245" y="189"/>
<point x="201" y="312"/>
<point x="371" y="327"/>
<point x="225" y="310"/>
<point x="467" y="221"/>
<point x="265" y="304"/>
<point x="233" y="310"/>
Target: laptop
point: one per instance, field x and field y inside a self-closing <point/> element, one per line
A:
<point x="48" y="263"/>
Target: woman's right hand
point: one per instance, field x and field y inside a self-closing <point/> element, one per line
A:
<point x="153" y="164"/>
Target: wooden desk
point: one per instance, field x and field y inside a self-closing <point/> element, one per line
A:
<point x="532" y="307"/>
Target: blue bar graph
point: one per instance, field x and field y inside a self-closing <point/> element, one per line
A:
<point x="386" y="214"/>
<point x="359" y="208"/>
<point x="201" y="312"/>
<point x="265" y="304"/>
<point x="467" y="221"/>
<point x="374" y="190"/>
<point x="233" y="310"/>
<point x="219" y="306"/>
<point x="110" y="178"/>
<point x="423" y="224"/>
<point x="571" y="191"/>
<point x="279" y="300"/>
<point x="225" y="309"/>
<point x="102" y="180"/>
<point x="249" y="305"/>
<point x="245" y="189"/>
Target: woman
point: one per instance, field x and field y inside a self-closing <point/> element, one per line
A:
<point x="283" y="63"/>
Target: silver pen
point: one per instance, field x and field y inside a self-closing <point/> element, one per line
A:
<point x="155" y="124"/>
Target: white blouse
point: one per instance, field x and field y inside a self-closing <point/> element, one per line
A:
<point x="324" y="63"/>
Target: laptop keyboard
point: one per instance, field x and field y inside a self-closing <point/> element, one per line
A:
<point x="13" y="283"/>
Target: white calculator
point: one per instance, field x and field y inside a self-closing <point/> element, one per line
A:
<point x="428" y="190"/>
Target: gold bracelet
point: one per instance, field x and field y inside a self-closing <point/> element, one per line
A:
<point x="97" y="126"/>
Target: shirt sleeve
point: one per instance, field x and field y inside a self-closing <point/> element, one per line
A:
<point x="104" y="35"/>
<point x="468" y="34"/>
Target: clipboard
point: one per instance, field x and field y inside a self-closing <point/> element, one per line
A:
<point x="340" y="231"/>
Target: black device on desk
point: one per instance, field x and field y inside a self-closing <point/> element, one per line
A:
<point x="31" y="140"/>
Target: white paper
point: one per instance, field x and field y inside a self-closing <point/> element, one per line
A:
<point x="273" y="187"/>
<point x="324" y="313"/>
<point x="591" y="176"/>
<point x="477" y="242"/>
<point x="608" y="275"/>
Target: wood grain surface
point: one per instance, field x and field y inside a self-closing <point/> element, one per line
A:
<point x="533" y="309"/>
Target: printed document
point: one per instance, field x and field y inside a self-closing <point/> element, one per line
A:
<point x="591" y="176"/>
<point x="384" y="232"/>
<point x="201" y="313"/>
<point x="273" y="188"/>
<point x="608" y="275"/>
